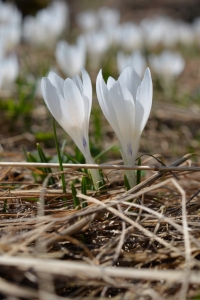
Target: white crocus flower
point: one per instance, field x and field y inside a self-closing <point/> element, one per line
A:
<point x="2" y="50"/>
<point x="10" y="26"/>
<point x="9" y="14"/>
<point x="131" y="36"/>
<point x="186" y="33"/>
<point x="70" y="101"/>
<point x="47" y="26"/>
<point x="9" y="71"/>
<point x="87" y="20"/>
<point x="71" y="58"/>
<point x="114" y="33"/>
<point x="97" y="43"/>
<point x="126" y="104"/>
<point x="160" y="30"/>
<point x="196" y="30"/>
<point x="136" y="60"/>
<point x="10" y="36"/>
<point x="109" y="16"/>
<point x="167" y="65"/>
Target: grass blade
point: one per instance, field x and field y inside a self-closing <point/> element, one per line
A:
<point x="75" y="198"/>
<point x="44" y="159"/>
<point x="84" y="190"/>
<point x="59" y="157"/>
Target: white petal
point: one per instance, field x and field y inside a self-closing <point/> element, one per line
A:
<point x="74" y="109"/>
<point x="53" y="100"/>
<point x="124" y="107"/>
<point x="87" y="113"/>
<point x="102" y="94"/>
<point x="131" y="80"/>
<point x="81" y="44"/>
<point x="78" y="83"/>
<point x="56" y="81"/>
<point x="105" y="103"/>
<point x="61" y="54"/>
<point x="144" y="101"/>
<point x="110" y="82"/>
<point x="87" y="86"/>
<point x="74" y="103"/>
<point x="87" y="95"/>
<point x="121" y="61"/>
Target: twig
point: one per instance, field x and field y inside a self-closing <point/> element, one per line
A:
<point x="79" y="269"/>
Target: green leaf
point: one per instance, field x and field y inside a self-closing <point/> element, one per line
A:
<point x="104" y="152"/>
<point x="75" y="198"/>
<point x="45" y="160"/>
<point x="102" y="182"/>
<point x="59" y="158"/>
<point x="31" y="158"/>
<point x="70" y="158"/>
<point x="126" y="183"/>
<point x="84" y="190"/>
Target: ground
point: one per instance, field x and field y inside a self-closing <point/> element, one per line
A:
<point x="141" y="243"/>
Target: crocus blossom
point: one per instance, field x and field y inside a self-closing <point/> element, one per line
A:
<point x="131" y="36"/>
<point x="109" y="16"/>
<point x="10" y="36"/>
<point x="97" y="43"/>
<point x="9" y="14"/>
<point x="71" y="58"/>
<point x="9" y="71"/>
<point x="70" y="101"/>
<point x="126" y="104"/>
<point x="87" y="20"/>
<point x="10" y="26"/>
<point x="48" y="24"/>
<point x="186" y="33"/>
<point x="160" y="30"/>
<point x="196" y="30"/>
<point x="168" y="64"/>
<point x="136" y="60"/>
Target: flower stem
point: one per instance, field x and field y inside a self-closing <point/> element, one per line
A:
<point x="94" y="172"/>
<point x="59" y="157"/>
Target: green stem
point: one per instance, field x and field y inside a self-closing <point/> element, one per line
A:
<point x="59" y="158"/>
<point x="94" y="172"/>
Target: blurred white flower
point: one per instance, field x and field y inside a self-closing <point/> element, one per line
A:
<point x="130" y="36"/>
<point x="9" y="71"/>
<point x="109" y="16"/>
<point x="186" y="33"/>
<point x="87" y="20"/>
<point x="57" y="13"/>
<point x="33" y="33"/>
<point x="114" y="33"/>
<point x="48" y="24"/>
<point x="126" y="104"/>
<point x="71" y="58"/>
<point x="2" y="50"/>
<point x="160" y="30"/>
<point x="70" y="101"/>
<point x="9" y="14"/>
<point x="10" y="26"/>
<point x="10" y="36"/>
<point x="97" y="43"/>
<point x="38" y="82"/>
<point x="196" y="27"/>
<point x="136" y="60"/>
<point x="167" y="65"/>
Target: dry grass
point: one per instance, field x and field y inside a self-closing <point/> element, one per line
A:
<point x="140" y="244"/>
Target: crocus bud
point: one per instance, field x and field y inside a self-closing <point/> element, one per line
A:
<point x="126" y="104"/>
<point x="70" y="101"/>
